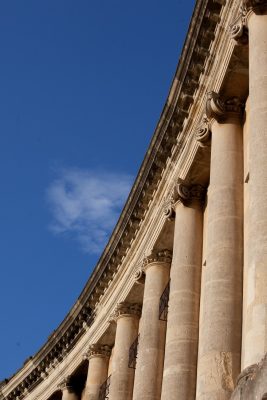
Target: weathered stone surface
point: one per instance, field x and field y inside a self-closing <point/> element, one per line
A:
<point x="179" y="378"/>
<point x="221" y="319"/>
<point x="151" y="348"/>
<point x="122" y="377"/>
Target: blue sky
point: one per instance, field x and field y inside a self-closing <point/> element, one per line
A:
<point x="82" y="86"/>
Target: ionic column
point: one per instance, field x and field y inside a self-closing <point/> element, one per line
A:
<point x="179" y="378"/>
<point x="255" y="336"/>
<point x="221" y="297"/>
<point x="150" y="358"/>
<point x="68" y="392"/>
<point x="122" y="378"/>
<point x="98" y="356"/>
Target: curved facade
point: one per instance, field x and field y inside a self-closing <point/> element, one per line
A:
<point x="176" y="307"/>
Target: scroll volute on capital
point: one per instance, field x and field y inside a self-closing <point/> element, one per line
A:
<point x="222" y="109"/>
<point x="203" y="133"/>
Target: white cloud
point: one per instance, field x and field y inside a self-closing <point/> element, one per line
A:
<point x="86" y="205"/>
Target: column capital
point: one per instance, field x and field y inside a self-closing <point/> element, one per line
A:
<point x="188" y="193"/>
<point x="184" y="193"/>
<point x="162" y="256"/>
<point x="238" y="28"/>
<point x="203" y="133"/>
<point x="126" y="309"/>
<point x="221" y="109"/>
<point x="98" y="350"/>
<point x="139" y="275"/>
<point x="66" y="384"/>
<point x="168" y="206"/>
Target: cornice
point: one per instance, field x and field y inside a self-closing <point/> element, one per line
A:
<point x="195" y="52"/>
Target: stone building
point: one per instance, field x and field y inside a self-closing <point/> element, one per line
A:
<point x="176" y="308"/>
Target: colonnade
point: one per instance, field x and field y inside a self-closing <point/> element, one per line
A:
<point x="196" y="353"/>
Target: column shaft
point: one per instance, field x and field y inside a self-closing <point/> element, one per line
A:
<point x="179" y="379"/>
<point x="97" y="371"/>
<point x="221" y="297"/>
<point x="67" y="394"/>
<point x="122" y="377"/>
<point x="150" y="358"/>
<point x="67" y="389"/>
<point x="255" y="336"/>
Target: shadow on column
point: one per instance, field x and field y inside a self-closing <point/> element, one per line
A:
<point x="78" y="378"/>
<point x="56" y="396"/>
